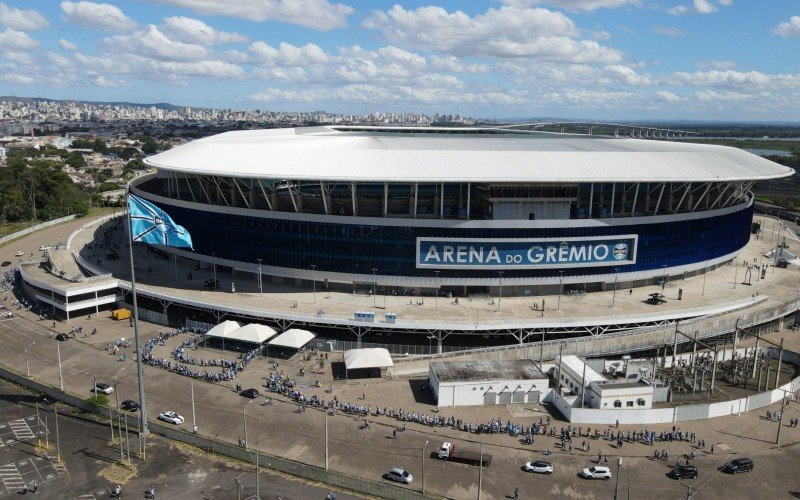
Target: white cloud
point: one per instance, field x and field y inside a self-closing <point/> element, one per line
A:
<point x="507" y="32"/>
<point x="788" y="29"/>
<point x="60" y="61"/>
<point x="22" y="58"/>
<point x="277" y="95"/>
<point x="573" y="5"/>
<point x="288" y="55"/>
<point x="153" y="43"/>
<point x="315" y="14"/>
<point x="216" y="69"/>
<point x="754" y="80"/>
<point x="678" y="10"/>
<point x="188" y="30"/>
<point x="22" y="20"/>
<point x="456" y="65"/>
<point x="726" y="3"/>
<point x="16" y="79"/>
<point x="98" y="16"/>
<point x="13" y="39"/>
<point x="67" y="45"/>
<point x="102" y="81"/>
<point x="704" y="7"/>
<point x="627" y="75"/>
<point x="668" y="31"/>
<point x="293" y="75"/>
<point x="668" y="96"/>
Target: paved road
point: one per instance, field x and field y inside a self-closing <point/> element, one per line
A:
<point x="176" y="472"/>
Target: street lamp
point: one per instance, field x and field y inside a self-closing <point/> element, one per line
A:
<point x="314" y="280"/>
<point x="374" y="285"/>
<point x="705" y="270"/>
<point x="27" y="366"/>
<point x="244" y="418"/>
<point x="116" y="392"/>
<point x="423" y="466"/>
<point x="58" y="442"/>
<point x="614" y="296"/>
<point x="430" y="341"/>
<point x="560" y="289"/>
<point x="500" y="294"/>
<point x="214" y="266"/>
<point x="436" y="289"/>
<point x="260" y="289"/>
<point x="616" y="490"/>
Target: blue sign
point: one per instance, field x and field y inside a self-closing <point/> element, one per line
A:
<point x="542" y="253"/>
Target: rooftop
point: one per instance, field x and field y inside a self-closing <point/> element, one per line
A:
<point x="459" y="155"/>
<point x="473" y="371"/>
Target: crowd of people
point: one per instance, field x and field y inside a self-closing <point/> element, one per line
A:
<point x="182" y="363"/>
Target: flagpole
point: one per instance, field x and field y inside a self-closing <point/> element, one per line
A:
<point x="139" y="370"/>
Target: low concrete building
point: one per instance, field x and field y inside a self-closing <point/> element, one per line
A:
<point x="574" y="374"/>
<point x="621" y="395"/>
<point x="465" y="383"/>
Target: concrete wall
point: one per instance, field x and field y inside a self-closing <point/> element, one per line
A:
<point x="472" y="393"/>
<point x="19" y="234"/>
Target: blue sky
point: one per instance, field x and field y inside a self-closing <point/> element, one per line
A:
<point x="590" y="59"/>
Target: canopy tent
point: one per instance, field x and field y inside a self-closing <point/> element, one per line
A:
<point x="223" y="329"/>
<point x="294" y="338"/>
<point x="367" y="358"/>
<point x="253" y="333"/>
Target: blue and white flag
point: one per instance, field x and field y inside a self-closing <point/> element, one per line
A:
<point x="150" y="224"/>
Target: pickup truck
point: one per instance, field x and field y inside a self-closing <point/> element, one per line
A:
<point x="448" y="452"/>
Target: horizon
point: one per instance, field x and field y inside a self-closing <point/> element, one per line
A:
<point x="580" y="59"/>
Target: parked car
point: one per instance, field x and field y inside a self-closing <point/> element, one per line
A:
<point x="19" y="253"/>
<point x="683" y="472"/>
<point x="738" y="465"/>
<point x="63" y="337"/>
<point x="6" y="263"/>
<point x="597" y="472"/>
<point x="129" y="405"/>
<point x="171" y="417"/>
<point x="104" y="388"/>
<point x="250" y="393"/>
<point x="45" y="247"/>
<point x="539" y="466"/>
<point x="400" y="475"/>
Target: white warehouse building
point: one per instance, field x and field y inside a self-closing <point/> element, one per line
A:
<point x="465" y="383"/>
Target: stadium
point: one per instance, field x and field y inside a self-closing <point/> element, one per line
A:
<point x="458" y="210"/>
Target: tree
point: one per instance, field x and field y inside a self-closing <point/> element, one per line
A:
<point x="75" y="160"/>
<point x="100" y="146"/>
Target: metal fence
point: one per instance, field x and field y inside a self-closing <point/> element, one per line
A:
<point x="324" y="344"/>
<point x="19" y="234"/>
<point x="198" y="326"/>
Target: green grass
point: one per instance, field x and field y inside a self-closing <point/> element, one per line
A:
<point x="13" y="227"/>
<point x="791" y="146"/>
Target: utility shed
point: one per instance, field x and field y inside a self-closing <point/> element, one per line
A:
<point x="622" y="395"/>
<point x="465" y="383"/>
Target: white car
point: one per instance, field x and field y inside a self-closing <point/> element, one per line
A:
<point x="45" y="247"/>
<point x="104" y="388"/>
<point x="400" y="475"/>
<point x="19" y="253"/>
<point x="171" y="417"/>
<point x="539" y="466"/>
<point x="597" y="472"/>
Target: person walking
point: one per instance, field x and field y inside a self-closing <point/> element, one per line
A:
<point x="516" y="493"/>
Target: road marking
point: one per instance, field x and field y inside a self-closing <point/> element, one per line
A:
<point x="11" y="478"/>
<point x="21" y="430"/>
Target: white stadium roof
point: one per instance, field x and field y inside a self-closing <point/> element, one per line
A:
<point x="456" y="155"/>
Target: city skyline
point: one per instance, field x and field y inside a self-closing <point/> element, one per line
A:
<point x="589" y="59"/>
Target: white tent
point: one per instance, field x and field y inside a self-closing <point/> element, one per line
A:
<point x="367" y="358"/>
<point x="294" y="338"/>
<point x="223" y="329"/>
<point x="253" y="333"/>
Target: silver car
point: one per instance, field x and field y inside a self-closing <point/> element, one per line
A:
<point x="400" y="475"/>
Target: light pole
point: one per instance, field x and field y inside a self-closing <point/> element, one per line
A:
<point x="500" y="294"/>
<point x="614" y="296"/>
<point x="60" y="377"/>
<point x="58" y="442"/>
<point x="260" y="288"/>
<point x="560" y="289"/>
<point x="705" y="270"/>
<point x="116" y="392"/>
<point x="430" y="343"/>
<point x="374" y="285"/>
<point x="423" y="466"/>
<point x="326" y="439"/>
<point x="436" y="289"/>
<point x="27" y="366"/>
<point x="619" y="467"/>
<point x="194" y="422"/>
<point x="214" y="266"/>
<point x="244" y="418"/>
<point x="663" y="277"/>
<point x="314" y="280"/>
<point x="94" y="385"/>
<point x="480" y="473"/>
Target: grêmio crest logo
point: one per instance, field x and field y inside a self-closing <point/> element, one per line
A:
<point x="468" y="253"/>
